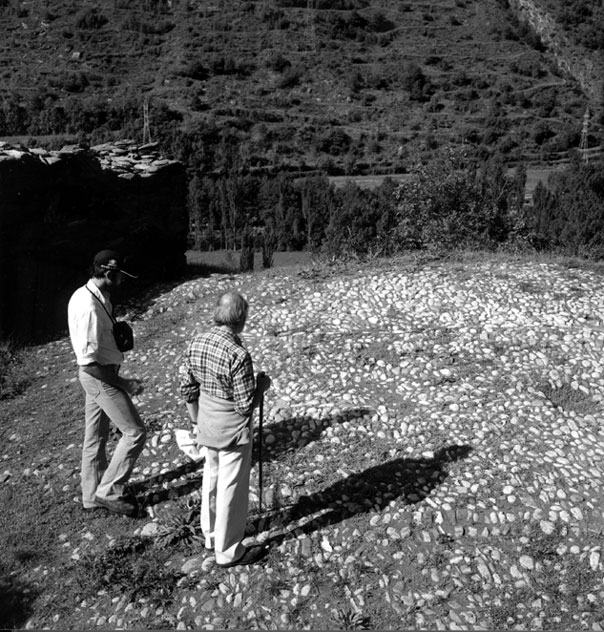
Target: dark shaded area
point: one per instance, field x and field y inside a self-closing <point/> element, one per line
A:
<point x="16" y="600"/>
<point x="410" y="480"/>
<point x="54" y="218"/>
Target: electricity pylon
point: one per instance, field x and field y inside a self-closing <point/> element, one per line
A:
<point x="584" y="136"/>
<point x="146" y="128"/>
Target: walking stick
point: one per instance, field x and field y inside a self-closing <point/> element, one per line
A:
<point x="260" y="417"/>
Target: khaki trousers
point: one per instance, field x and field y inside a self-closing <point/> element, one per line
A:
<point x="224" y="505"/>
<point x="103" y="403"/>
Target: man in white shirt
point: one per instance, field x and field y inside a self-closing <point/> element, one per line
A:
<point x="108" y="396"/>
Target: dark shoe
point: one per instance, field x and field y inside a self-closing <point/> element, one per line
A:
<point x="119" y="506"/>
<point x="91" y="507"/>
<point x="251" y="556"/>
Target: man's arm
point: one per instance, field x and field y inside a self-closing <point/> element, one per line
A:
<point x="189" y="387"/>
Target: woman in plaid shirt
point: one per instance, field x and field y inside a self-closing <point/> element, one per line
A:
<point x="218" y="384"/>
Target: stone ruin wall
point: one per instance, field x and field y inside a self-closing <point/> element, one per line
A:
<point x="586" y="67"/>
<point x="57" y="208"/>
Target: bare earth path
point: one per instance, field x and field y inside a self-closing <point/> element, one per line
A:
<point x="433" y="454"/>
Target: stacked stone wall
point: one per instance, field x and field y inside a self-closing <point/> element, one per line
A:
<point x="58" y="208"/>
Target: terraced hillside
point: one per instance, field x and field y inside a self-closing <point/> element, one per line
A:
<point x="350" y="86"/>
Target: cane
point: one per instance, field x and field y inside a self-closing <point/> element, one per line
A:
<point x="260" y="417"/>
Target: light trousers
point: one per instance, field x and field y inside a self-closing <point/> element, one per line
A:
<point x="224" y="504"/>
<point x="104" y="403"/>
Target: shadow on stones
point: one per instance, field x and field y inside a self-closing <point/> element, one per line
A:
<point x="411" y="480"/>
<point x="148" y="496"/>
<point x="296" y="432"/>
<point x="290" y="435"/>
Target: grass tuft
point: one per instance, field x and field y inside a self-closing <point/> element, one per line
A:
<point x="15" y="376"/>
<point x="128" y="568"/>
<point x="569" y="399"/>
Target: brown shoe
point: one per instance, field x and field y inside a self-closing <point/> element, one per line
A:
<point x="251" y="556"/>
<point x="119" y="506"/>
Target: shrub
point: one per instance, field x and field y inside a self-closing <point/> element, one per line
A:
<point x="90" y="18"/>
<point x="452" y="203"/>
<point x="416" y="83"/>
<point x="277" y="62"/>
<point x="335" y="142"/>
<point x="194" y="70"/>
<point x="542" y="133"/>
<point x="229" y="66"/>
<point x="70" y="81"/>
<point x="345" y="26"/>
<point x="157" y="6"/>
<point x="289" y="79"/>
<point x="379" y="23"/>
<point x="160" y="27"/>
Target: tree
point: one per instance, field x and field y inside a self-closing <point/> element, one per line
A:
<point x="280" y="212"/>
<point x="452" y="203"/>
<point x="358" y="223"/>
<point x="316" y="196"/>
<point x="567" y="215"/>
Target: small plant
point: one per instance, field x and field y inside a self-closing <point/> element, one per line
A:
<point x="181" y="528"/>
<point x="348" y="619"/>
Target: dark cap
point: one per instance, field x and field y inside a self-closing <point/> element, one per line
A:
<point x="110" y="260"/>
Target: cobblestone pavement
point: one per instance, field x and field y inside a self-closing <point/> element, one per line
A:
<point x="433" y="448"/>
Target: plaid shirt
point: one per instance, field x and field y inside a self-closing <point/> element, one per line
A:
<point x="219" y="365"/>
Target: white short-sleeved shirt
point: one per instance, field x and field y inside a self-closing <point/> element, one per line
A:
<point x="91" y="328"/>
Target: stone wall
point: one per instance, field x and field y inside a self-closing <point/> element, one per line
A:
<point x="58" y="208"/>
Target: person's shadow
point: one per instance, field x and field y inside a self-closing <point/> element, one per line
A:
<point x="288" y="435"/>
<point x="405" y="479"/>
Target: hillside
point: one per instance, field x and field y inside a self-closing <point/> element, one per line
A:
<point x="348" y="86"/>
<point x="432" y="459"/>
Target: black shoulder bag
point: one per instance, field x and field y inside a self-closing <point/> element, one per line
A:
<point x="122" y="332"/>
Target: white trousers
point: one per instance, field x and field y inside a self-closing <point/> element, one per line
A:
<point x="224" y="505"/>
